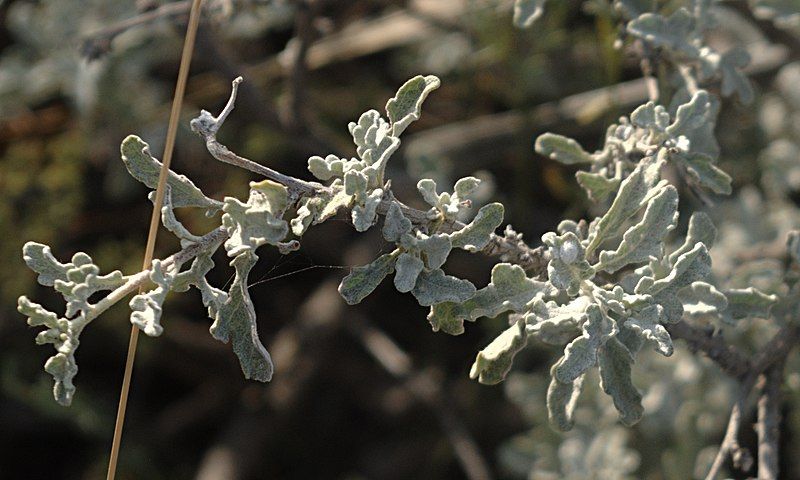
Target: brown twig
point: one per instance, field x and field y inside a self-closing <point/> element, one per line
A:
<point x="768" y="425"/>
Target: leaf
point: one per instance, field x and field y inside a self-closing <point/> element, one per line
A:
<point x="556" y="324"/>
<point x="690" y="267"/>
<point x="615" y="379"/>
<point x="171" y="222"/>
<point x="647" y="324"/>
<point x="405" y="107"/>
<point x="691" y="115"/>
<point x="435" y="287"/>
<point x="567" y="267"/>
<point x="40" y="259"/>
<point x="63" y="369"/>
<point x="651" y="116"/>
<point x="477" y="234"/>
<point x="632" y="193"/>
<point x="493" y="363"/>
<point x="646" y="238"/>
<point x="703" y="301"/>
<point x="597" y="186"/>
<point x="365" y="216"/>
<point x="407" y="269"/>
<point x="671" y="32"/>
<point x="701" y="229"/>
<point x="435" y="248"/>
<point x="581" y="353"/>
<point x="257" y="222"/>
<point x="143" y="167"/>
<point x="395" y="224"/>
<point x="733" y="80"/>
<point x="510" y="289"/>
<point x="561" y="401"/>
<point x="363" y="280"/>
<point x="147" y="306"/>
<point x="561" y="149"/>
<point x="527" y="11"/>
<point x="702" y="169"/>
<point x="235" y="321"/>
<point x="375" y="144"/>
<point x="747" y="302"/>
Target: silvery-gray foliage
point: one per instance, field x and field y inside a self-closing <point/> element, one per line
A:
<point x="612" y="286"/>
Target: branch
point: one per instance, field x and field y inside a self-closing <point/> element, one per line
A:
<point x="730" y="359"/>
<point x="509" y="247"/>
<point x="768" y="426"/>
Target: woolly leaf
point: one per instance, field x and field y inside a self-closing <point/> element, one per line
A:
<point x="510" y="289"/>
<point x="733" y="80"/>
<point x="407" y="269"/>
<point x="703" y="301"/>
<point x="236" y="322"/>
<point x="556" y="324"/>
<point x="436" y="248"/>
<point x="40" y="259"/>
<point x="406" y="105"/>
<point x="581" y="353"/>
<point x="395" y="225"/>
<point x="477" y="234"/>
<point x="747" y="302"/>
<point x="690" y="267"/>
<point x="561" y="401"/>
<point x="691" y="115"/>
<point x="493" y="363"/>
<point x="701" y="230"/>
<point x="597" y="186"/>
<point x="257" y="222"/>
<point x="615" y="378"/>
<point x="143" y="167"/>
<point x="527" y="11"/>
<point x="561" y="149"/>
<point x="671" y="32"/>
<point x="646" y="238"/>
<point x="171" y="222"/>
<point x="632" y="193"/>
<point x="702" y="169"/>
<point x="435" y="287"/>
<point x="147" y="306"/>
<point x="651" y="116"/>
<point x="568" y="266"/>
<point x="363" y="280"/>
<point x="647" y="324"/>
<point x="365" y="216"/>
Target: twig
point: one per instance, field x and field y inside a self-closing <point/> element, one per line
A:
<point x="296" y="53"/>
<point x="731" y="360"/>
<point x="398" y="363"/>
<point x="509" y="246"/>
<point x="769" y="419"/>
<point x="98" y="43"/>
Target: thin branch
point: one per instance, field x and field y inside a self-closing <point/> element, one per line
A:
<point x="508" y="247"/>
<point x="769" y="419"/>
<point x="712" y="343"/>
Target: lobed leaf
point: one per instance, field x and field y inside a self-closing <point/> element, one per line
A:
<point x="477" y="234"/>
<point x="581" y="353"/>
<point x="433" y="287"/>
<point x="363" y="280"/>
<point x="561" y="401"/>
<point x="405" y="107"/>
<point x="562" y="149"/>
<point x="615" y="379"/>
<point x="493" y="363"/>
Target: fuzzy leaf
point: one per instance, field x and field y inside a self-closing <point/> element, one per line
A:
<point x="561" y="401"/>
<point x="40" y="259"/>
<point x="597" y="186"/>
<point x="363" y="280"/>
<point x="436" y="248"/>
<point x="147" y="306"/>
<point x="646" y="238"/>
<point x="568" y="266"/>
<point x="632" y="193"/>
<point x="236" y="322"/>
<point x="702" y="169"/>
<point x="690" y="267"/>
<point x="258" y="221"/>
<point x="365" y="216"/>
<point x="651" y="116"/>
<point x="407" y="269"/>
<point x="733" y="80"/>
<point x="556" y="324"/>
<point x="671" y="32"/>
<point x="435" y="287"/>
<point x="143" y="167"/>
<point x="702" y="230"/>
<point x="581" y="353"/>
<point x="63" y="369"/>
<point x="691" y="115"/>
<point x="493" y="363"/>
<point x="395" y="225"/>
<point x="477" y="234"/>
<point x="703" y="301"/>
<point x="615" y="378"/>
<point x="406" y="105"/>
<point x="647" y="324"/>
<point x="747" y="302"/>
<point x="561" y="149"/>
<point x="510" y="289"/>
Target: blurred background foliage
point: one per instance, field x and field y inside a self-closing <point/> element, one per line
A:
<point x="365" y="391"/>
